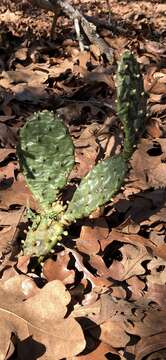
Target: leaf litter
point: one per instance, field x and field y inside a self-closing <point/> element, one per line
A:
<point x="101" y="294"/>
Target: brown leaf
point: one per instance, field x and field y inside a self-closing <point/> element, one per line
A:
<point x="21" y="53"/>
<point x="9" y="16"/>
<point x="33" y="94"/>
<point x="41" y="317"/>
<point x="57" y="270"/>
<point x="99" y="353"/>
<point x="158" y="89"/>
<point x="154" y="353"/>
<point x="134" y="239"/>
<point x="148" y="163"/>
<point x="4" y="153"/>
<point x="98" y="263"/>
<point x="131" y="264"/>
<point x="154" y="47"/>
<point x="153" y="128"/>
<point x="152" y="330"/>
<point x="99" y="311"/>
<point x="61" y="67"/>
<point x="153" y="323"/>
<point x="98" y="283"/>
<point x="136" y="287"/>
<point x="157" y="293"/>
<point x="18" y="194"/>
<point x="86" y="151"/>
<point x="23" y="262"/>
<point x="90" y="236"/>
<point x="32" y="78"/>
<point x="8" y="231"/>
<point x="8" y="136"/>
<point x="113" y="333"/>
<point x="158" y="108"/>
<point x="21" y="286"/>
<point x="157" y="269"/>
<point x="7" y="175"/>
<point x="84" y="58"/>
<point x="99" y="76"/>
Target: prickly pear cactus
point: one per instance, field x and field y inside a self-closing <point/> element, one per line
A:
<point x="46" y="155"/>
<point x="131" y="100"/>
<point x="97" y="187"/>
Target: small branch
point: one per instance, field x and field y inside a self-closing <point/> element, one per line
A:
<point x="88" y="27"/>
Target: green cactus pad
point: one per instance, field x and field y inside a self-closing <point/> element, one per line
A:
<point x="46" y="155"/>
<point x="131" y="100"/>
<point x="97" y="187"/>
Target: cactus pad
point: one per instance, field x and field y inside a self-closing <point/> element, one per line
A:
<point x="46" y="155"/>
<point x="97" y="187"/>
<point x="131" y="100"/>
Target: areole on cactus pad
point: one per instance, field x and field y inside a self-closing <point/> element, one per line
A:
<point x="46" y="155"/>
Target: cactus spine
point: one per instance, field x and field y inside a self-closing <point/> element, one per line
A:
<point x="46" y="156"/>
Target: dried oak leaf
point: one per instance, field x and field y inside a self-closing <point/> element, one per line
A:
<point x="31" y="77"/>
<point x="58" y="270"/>
<point x="119" y="319"/>
<point x="5" y="154"/>
<point x="154" y="47"/>
<point x="152" y="332"/>
<point x="21" y="53"/>
<point x="99" y="283"/>
<point x="91" y="234"/>
<point x="86" y="151"/>
<point x="148" y="164"/>
<point x="112" y="316"/>
<point x="30" y="94"/>
<point x="131" y="264"/>
<point x="157" y="269"/>
<point x="153" y="128"/>
<point x="22" y="286"/>
<point x="135" y="239"/>
<point x="114" y="334"/>
<point x="136" y="287"/>
<point x="6" y="174"/>
<point x="17" y="194"/>
<point x="157" y="293"/>
<point x="101" y="352"/>
<point x="159" y="355"/>
<point x="40" y="319"/>
<point x="9" y="222"/>
<point x="8" y="135"/>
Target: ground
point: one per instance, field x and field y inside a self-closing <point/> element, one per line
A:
<point x="101" y="292"/>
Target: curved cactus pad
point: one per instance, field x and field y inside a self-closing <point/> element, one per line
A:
<point x="46" y="155"/>
<point x="131" y="100"/>
<point x="97" y="187"/>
